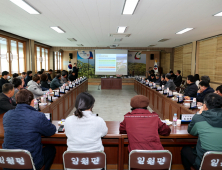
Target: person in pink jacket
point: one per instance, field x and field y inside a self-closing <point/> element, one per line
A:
<point x="143" y="127"/>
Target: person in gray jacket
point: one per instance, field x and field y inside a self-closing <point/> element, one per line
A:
<point x="35" y="87"/>
<point x="56" y="82"/>
<point x="64" y="78"/>
<point x="170" y="84"/>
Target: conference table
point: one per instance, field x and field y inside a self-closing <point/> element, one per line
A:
<point x="115" y="144"/>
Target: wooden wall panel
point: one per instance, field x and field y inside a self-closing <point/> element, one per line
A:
<point x="165" y="62"/>
<point x="182" y="59"/>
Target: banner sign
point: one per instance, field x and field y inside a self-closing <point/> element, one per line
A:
<point x="85" y="54"/>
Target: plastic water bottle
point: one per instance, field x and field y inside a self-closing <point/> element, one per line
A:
<point x="175" y="119"/>
<point x="36" y="106"/>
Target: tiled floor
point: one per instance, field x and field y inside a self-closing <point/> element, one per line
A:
<point x="112" y="105"/>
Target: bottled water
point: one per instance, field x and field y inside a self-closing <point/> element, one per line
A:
<point x="175" y="119"/>
<point x="36" y="106"/>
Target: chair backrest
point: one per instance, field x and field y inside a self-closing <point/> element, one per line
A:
<point x="211" y="160"/>
<point x="150" y="159"/>
<point x="16" y="159"/>
<point x="84" y="160"/>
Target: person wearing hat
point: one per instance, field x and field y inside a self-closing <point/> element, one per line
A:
<point x="143" y="127"/>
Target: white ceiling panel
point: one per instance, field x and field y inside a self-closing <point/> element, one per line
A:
<point x="91" y="21"/>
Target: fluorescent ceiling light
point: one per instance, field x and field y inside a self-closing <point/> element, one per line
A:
<point x="218" y="14"/>
<point x="130" y="6"/>
<point x="121" y="29"/>
<point x="22" y="4"/>
<point x="57" y="29"/>
<point x="184" y="30"/>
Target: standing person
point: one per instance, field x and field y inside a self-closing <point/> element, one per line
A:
<point x="49" y="75"/>
<point x="178" y="79"/>
<point x="208" y="127"/>
<point x="83" y="120"/>
<point x="170" y="84"/>
<point x="143" y="127"/>
<point x="25" y="120"/>
<point x="76" y="70"/>
<point x="4" y="79"/>
<point x="6" y="102"/>
<point x="28" y="77"/>
<point x="17" y="82"/>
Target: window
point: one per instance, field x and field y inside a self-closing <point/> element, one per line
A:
<point x="12" y="55"/>
<point x="58" y="60"/>
<point x="42" y="58"/>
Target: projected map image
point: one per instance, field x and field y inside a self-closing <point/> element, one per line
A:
<point x="106" y="62"/>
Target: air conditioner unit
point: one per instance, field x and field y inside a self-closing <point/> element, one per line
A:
<point x="114" y="45"/>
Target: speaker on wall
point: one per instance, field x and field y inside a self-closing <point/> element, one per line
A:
<point x="151" y="56"/>
<point x="70" y="55"/>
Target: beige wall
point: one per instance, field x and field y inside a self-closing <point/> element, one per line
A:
<point x="66" y="59"/>
<point x="150" y="63"/>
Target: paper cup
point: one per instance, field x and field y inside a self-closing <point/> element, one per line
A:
<point x="178" y="122"/>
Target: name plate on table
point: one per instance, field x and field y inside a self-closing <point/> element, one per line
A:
<point x="158" y="89"/>
<point x="56" y="93"/>
<point x="150" y="84"/>
<point x="147" y="83"/>
<point x="62" y="90"/>
<point x="193" y="104"/>
<point x="170" y="94"/>
<point x="49" y="98"/>
<point x="73" y="84"/>
<point x="67" y="87"/>
<point x="70" y="85"/>
<point x="186" y="118"/>
<point x="165" y="92"/>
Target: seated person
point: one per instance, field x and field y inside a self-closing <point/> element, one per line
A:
<point x="208" y="127"/>
<point x="172" y="75"/>
<point x="49" y="75"/>
<point x="149" y="75"/>
<point x="219" y="90"/>
<point x="6" y="102"/>
<point x="44" y="81"/>
<point x="170" y="84"/>
<point x="15" y="75"/>
<point x="205" y="78"/>
<point x="158" y="79"/>
<point x="17" y="82"/>
<point x="72" y="76"/>
<point x="143" y="127"/>
<point x="152" y="78"/>
<point x="197" y="79"/>
<point x="39" y="73"/>
<point x="64" y="78"/>
<point x="43" y="71"/>
<point x="28" y="77"/>
<point x="24" y="128"/>
<point x="204" y="89"/>
<point x="178" y="79"/>
<point x="163" y="81"/>
<point x="83" y="120"/>
<point x="35" y="88"/>
<point x="191" y="90"/>
<point x="4" y="79"/>
<point x="56" y="82"/>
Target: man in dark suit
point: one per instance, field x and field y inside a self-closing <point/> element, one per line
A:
<point x="192" y="88"/>
<point x="178" y="79"/>
<point x="28" y="77"/>
<point x="3" y="80"/>
<point x="75" y="69"/>
<point x="5" y="98"/>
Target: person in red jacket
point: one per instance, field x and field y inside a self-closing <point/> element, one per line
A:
<point x="143" y="127"/>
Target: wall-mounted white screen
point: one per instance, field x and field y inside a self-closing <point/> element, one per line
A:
<point x="111" y="62"/>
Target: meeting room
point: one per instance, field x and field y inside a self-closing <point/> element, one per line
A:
<point x="111" y="84"/>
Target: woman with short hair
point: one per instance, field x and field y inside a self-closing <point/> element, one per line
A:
<point x="44" y="81"/>
<point x="84" y="129"/>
